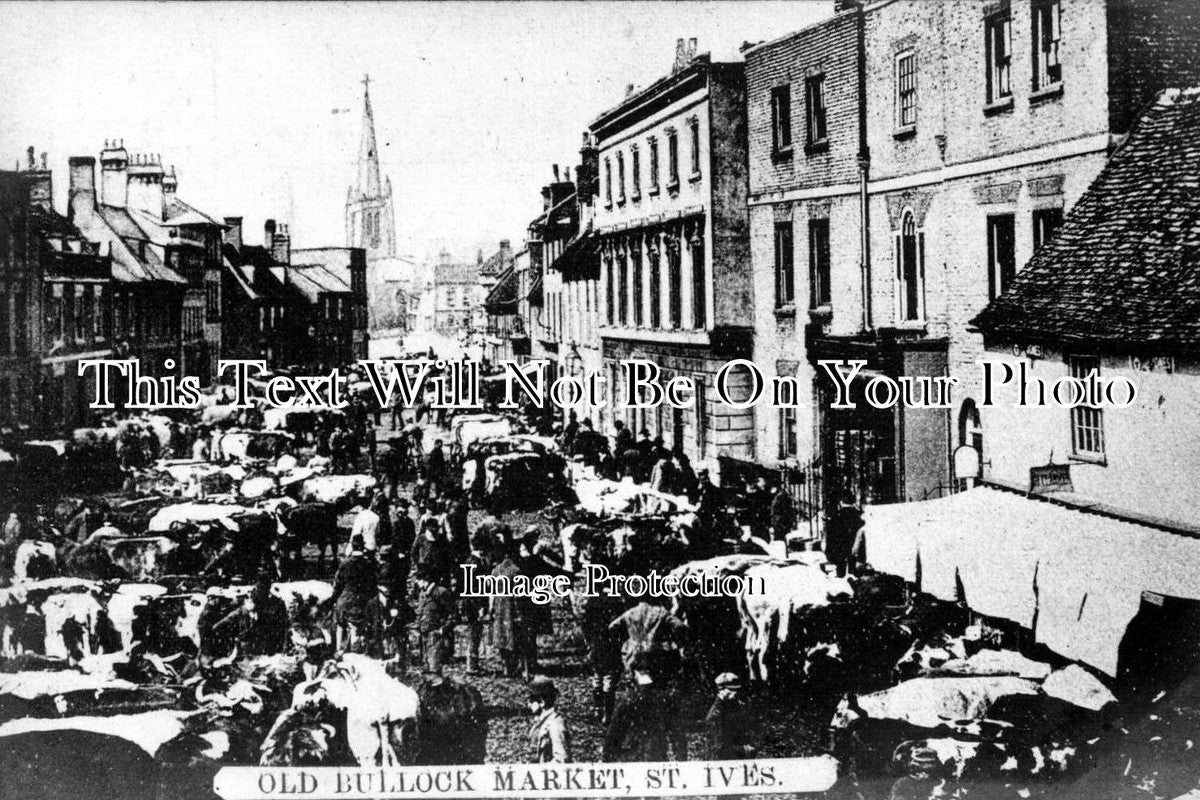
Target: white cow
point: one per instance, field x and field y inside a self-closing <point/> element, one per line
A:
<point x="124" y="603"/>
<point x="380" y="710"/>
<point x="335" y="489"/>
<point x="30" y="552"/>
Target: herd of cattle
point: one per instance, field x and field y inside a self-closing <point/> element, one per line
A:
<point x="116" y="638"/>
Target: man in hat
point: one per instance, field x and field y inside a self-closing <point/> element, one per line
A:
<point x="355" y="600"/>
<point x="548" y="734"/>
<point x="259" y="627"/>
<point x="646" y="725"/>
<point x="730" y="726"/>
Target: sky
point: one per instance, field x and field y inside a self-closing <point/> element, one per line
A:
<point x="259" y="105"/>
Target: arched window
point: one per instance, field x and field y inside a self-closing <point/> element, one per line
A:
<point x="910" y="270"/>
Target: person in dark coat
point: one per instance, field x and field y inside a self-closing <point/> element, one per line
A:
<point x="474" y="610"/>
<point x="647" y="724"/>
<point x="355" y="600"/>
<point x="513" y="632"/>
<point x="783" y="515"/>
<point x="622" y="439"/>
<point x="662" y="479"/>
<point x="730" y="725"/>
<point x="569" y="432"/>
<point x="431" y="556"/>
<point x="604" y="650"/>
<point x="685" y="477"/>
<point x="398" y="556"/>
<point x="435" y="465"/>
<point x="437" y="613"/>
<point x="841" y="530"/>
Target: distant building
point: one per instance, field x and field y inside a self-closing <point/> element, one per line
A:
<point x="504" y="326"/>
<point x="262" y="317"/>
<point x="371" y="226"/>
<point x="349" y="266"/>
<point x="55" y="291"/>
<point x="456" y="295"/>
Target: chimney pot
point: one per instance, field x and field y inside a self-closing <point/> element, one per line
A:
<point x="554" y="169"/>
<point x="44" y="159"/>
<point x="29" y="155"/>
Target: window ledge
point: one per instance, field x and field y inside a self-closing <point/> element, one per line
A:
<point x="910" y="325"/>
<point x="782" y="153"/>
<point x="905" y="131"/>
<point x="784" y="311"/>
<point x="821" y="313"/>
<point x="653" y="190"/>
<point x="608" y="203"/>
<point x="635" y="197"/>
<point x="998" y="106"/>
<point x="620" y="201"/>
<point x="820" y="146"/>
<point x="673" y="185"/>
<point x="1048" y="92"/>
<point x="695" y="176"/>
<point x="1093" y="460"/>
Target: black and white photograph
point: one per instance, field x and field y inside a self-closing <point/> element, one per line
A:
<point x="597" y="399"/>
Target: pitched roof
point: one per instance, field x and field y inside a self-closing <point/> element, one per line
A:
<point x="134" y="258"/>
<point x="179" y="213"/>
<point x="581" y="257"/>
<point x="1124" y="269"/>
<point x="314" y="280"/>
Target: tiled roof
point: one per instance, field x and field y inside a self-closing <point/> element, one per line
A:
<point x="179" y="213"/>
<point x="314" y="280"/>
<point x="1124" y="269"/>
<point x="134" y="258"/>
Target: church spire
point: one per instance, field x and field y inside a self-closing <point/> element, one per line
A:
<point x="368" y="153"/>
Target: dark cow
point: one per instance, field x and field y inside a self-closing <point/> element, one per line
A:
<point x="309" y="523"/>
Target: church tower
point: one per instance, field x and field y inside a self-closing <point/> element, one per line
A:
<point x="370" y="219"/>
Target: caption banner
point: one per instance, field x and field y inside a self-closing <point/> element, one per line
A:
<point x="647" y="779"/>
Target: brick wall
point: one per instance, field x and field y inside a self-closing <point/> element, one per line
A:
<point x="829" y="49"/>
<point x="1153" y="44"/>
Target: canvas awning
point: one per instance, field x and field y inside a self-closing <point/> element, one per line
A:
<point x="1075" y="577"/>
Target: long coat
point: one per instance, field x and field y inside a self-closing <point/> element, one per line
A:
<point x="512" y="617"/>
<point x="645" y="726"/>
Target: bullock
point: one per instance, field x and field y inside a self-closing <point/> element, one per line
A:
<point x="168" y="624"/>
<point x="380" y="713"/>
<point x="165" y="518"/>
<point x="34" y="561"/>
<point x="141" y="558"/>
<point x="123" y="608"/>
<point x="313" y="523"/>
<point x="340" y="491"/>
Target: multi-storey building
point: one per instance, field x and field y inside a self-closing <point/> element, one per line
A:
<point x="671" y="223"/>
<point x="349" y="266"/>
<point x="548" y="237"/>
<point x="261" y="314"/>
<point x="982" y="125"/>
<point x="55" y="290"/>
<point x="503" y="326"/>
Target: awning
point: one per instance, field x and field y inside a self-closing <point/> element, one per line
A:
<point x="581" y="257"/>
<point x="1075" y="577"/>
<point x="534" y="295"/>
<point x="502" y="299"/>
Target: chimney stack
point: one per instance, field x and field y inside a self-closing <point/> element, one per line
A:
<point x="553" y="168"/>
<point x="37" y="183"/>
<point x="233" y="232"/>
<point x="281" y="246"/>
<point x="685" y="52"/>
<point x="81" y="188"/>
<point x="588" y="173"/>
<point x="114" y="163"/>
<point x="506" y="253"/>
<point x="269" y="234"/>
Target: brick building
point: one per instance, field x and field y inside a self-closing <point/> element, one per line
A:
<point x="671" y="223"/>
<point x="55" y="290"/>
<point x="148" y="294"/>
<point x="348" y="265"/>
<point x="261" y="315"/>
<point x="983" y="123"/>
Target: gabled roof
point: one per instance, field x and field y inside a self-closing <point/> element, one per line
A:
<point x="252" y="266"/>
<point x="1124" y="269"/>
